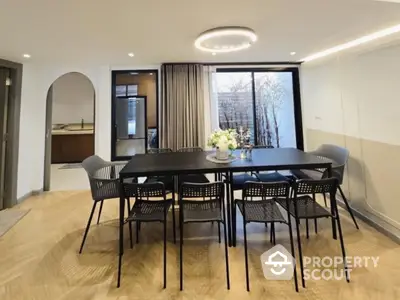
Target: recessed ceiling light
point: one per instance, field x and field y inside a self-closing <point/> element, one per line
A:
<point x="354" y="43"/>
<point x="292" y="53"/>
<point x="26" y="55"/>
<point x="219" y="40"/>
<point x="214" y="53"/>
<point x="131" y="54"/>
<point x="150" y="73"/>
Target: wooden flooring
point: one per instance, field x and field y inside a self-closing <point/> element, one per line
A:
<point x="39" y="259"/>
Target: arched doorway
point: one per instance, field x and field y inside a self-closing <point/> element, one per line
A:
<point x="70" y="123"/>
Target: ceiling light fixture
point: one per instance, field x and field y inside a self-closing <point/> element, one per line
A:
<point x="26" y="55"/>
<point x="130" y="54"/>
<point x="292" y="53"/>
<point x="354" y="43"/>
<point x="225" y="39"/>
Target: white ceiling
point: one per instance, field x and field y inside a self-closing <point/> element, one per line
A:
<point x="104" y="31"/>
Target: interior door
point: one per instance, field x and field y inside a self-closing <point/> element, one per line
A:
<point x="4" y="89"/>
<point x="130" y="126"/>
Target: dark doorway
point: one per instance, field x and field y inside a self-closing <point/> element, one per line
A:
<point x="10" y="104"/>
<point x="134" y="112"/>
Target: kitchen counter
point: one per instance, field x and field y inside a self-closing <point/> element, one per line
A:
<point x="71" y="132"/>
<point x="73" y="129"/>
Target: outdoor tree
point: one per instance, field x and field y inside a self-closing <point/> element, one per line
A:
<point x="270" y="93"/>
<point x="236" y="106"/>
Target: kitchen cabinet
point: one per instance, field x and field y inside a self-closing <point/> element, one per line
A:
<point x="71" y="147"/>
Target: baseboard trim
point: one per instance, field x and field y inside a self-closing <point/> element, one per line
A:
<point x="372" y="220"/>
<point x="27" y="195"/>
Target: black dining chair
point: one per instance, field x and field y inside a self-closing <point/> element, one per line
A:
<point x="304" y="206"/>
<point x="238" y="181"/>
<point x="202" y="202"/>
<point x="168" y="181"/>
<point x="151" y="205"/>
<point x="339" y="156"/>
<point x="194" y="178"/>
<point x="259" y="205"/>
<point x="104" y="188"/>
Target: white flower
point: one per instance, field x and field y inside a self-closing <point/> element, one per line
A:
<point x="223" y="137"/>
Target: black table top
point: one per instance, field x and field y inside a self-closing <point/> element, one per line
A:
<point x="195" y="162"/>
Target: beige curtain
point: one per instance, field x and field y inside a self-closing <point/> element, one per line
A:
<point x="182" y="106"/>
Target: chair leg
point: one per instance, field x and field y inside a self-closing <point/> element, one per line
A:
<point x="234" y="224"/>
<point x="272" y="234"/>
<point x="128" y="202"/>
<point x="173" y="217"/>
<point x="165" y="251"/>
<point x="346" y="270"/>
<point x="296" y="286"/>
<point x="300" y="255"/>
<point x="326" y="205"/>
<point x="88" y="226"/>
<point x="316" y="226"/>
<point x="246" y="255"/>
<point x="121" y="238"/>
<point x="333" y="220"/>
<point x="348" y="207"/>
<point x="228" y="284"/>
<point x="219" y="232"/>
<point x="181" y="252"/>
<point x="137" y="232"/>
<point x="101" y="208"/>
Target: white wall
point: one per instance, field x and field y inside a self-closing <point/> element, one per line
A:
<point x="36" y="81"/>
<point x="356" y="95"/>
<point x="73" y="99"/>
<point x="354" y="99"/>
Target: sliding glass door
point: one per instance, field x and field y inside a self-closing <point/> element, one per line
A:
<point x="266" y="102"/>
<point x="134" y="112"/>
<point x="130" y="126"/>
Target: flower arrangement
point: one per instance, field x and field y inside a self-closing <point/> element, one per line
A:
<point x="223" y="139"/>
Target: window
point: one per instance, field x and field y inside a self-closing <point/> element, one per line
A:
<point x="262" y="101"/>
<point x="126" y="90"/>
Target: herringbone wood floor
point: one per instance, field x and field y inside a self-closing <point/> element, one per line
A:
<point x="39" y="259"/>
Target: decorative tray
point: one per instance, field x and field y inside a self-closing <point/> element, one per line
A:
<point x="212" y="157"/>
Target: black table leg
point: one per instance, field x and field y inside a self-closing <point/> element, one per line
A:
<point x="233" y="208"/>
<point x="333" y="205"/>
<point x="121" y="232"/>
<point x="228" y="208"/>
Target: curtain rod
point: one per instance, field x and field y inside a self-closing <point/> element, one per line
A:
<point x="285" y="63"/>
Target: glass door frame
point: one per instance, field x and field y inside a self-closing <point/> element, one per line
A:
<point x="296" y="95"/>
<point x="114" y="154"/>
<point x="114" y="74"/>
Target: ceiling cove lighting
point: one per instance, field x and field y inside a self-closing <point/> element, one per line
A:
<point x="225" y="39"/>
<point x="354" y="43"/>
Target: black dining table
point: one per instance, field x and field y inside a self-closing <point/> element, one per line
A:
<point x="178" y="163"/>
